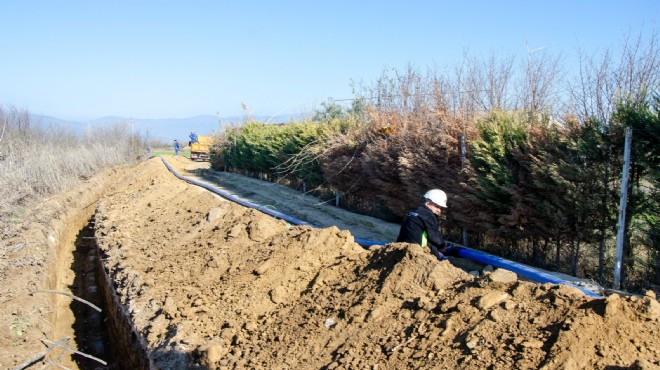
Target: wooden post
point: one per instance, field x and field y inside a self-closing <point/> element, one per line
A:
<point x="618" y="255"/>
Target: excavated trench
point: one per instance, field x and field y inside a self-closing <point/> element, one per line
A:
<point x="90" y="331"/>
<point x="495" y="323"/>
<point x="107" y="335"/>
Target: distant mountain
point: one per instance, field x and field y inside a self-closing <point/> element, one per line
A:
<point x="45" y="121"/>
<point x="107" y="119"/>
<point x="168" y="129"/>
<point x="164" y="129"/>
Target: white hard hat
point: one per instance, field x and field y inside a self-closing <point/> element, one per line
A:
<point x="437" y="196"/>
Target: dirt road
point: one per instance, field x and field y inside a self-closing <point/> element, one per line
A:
<point x="210" y="284"/>
<point x="293" y="203"/>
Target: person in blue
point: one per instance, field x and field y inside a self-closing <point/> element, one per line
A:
<point x="421" y="225"/>
<point x="176" y="147"/>
<point x="193" y="138"/>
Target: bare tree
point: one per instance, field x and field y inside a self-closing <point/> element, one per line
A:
<point x="459" y="87"/>
<point x="479" y="85"/>
<point x="4" y="125"/>
<point x="639" y="71"/>
<point x="497" y="82"/>
<point x="538" y="88"/>
<point x="589" y="94"/>
<point x="607" y="79"/>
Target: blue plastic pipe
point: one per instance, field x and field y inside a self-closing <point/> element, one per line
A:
<point x="463" y="252"/>
<point x="520" y="269"/>
<point x="238" y="200"/>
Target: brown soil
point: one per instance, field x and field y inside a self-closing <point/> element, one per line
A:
<point x="293" y="203"/>
<point x="210" y="284"/>
<point x="36" y="256"/>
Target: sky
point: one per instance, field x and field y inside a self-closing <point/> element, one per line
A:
<point x="147" y="59"/>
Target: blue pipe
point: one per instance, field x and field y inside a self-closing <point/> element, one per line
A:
<point x="463" y="252"/>
<point x="368" y="243"/>
<point x="520" y="269"/>
<point x="238" y="200"/>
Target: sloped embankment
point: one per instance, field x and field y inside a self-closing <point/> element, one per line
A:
<point x="208" y="283"/>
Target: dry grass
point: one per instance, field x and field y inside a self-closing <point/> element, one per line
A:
<point x="36" y="161"/>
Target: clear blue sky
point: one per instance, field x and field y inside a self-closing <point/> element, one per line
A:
<point x="86" y="59"/>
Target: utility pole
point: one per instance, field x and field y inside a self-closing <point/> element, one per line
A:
<point x="618" y="255"/>
<point x="463" y="159"/>
<point x="463" y="106"/>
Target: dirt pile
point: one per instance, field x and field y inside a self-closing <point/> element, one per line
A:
<point x="211" y="284"/>
<point x="35" y="261"/>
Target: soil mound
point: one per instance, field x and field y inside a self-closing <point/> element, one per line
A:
<point x="210" y="284"/>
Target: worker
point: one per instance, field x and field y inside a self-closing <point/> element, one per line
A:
<point x="193" y="138"/>
<point x="421" y="225"/>
<point x="176" y="147"/>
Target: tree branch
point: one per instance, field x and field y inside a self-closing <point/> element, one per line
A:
<point x="70" y="296"/>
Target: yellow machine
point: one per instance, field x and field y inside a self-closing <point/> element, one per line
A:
<point x="199" y="151"/>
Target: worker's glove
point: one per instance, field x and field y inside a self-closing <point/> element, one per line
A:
<point x="437" y="253"/>
<point x="441" y="256"/>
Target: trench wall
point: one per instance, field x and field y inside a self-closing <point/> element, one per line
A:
<point x="129" y="348"/>
<point x="70" y="213"/>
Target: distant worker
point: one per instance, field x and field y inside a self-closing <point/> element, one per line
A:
<point x="176" y="147"/>
<point x="193" y="138"/>
<point x="421" y="225"/>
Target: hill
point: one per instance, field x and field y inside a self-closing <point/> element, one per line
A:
<point x="163" y="129"/>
